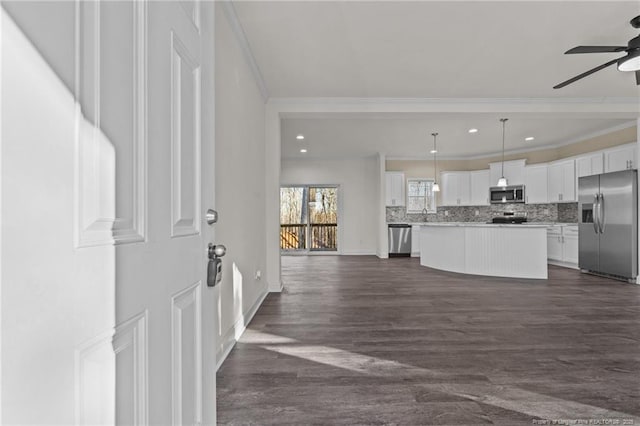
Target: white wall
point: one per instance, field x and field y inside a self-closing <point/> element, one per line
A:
<point x="240" y="170"/>
<point x="357" y="197"/>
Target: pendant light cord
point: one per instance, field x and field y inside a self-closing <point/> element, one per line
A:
<point x="435" y="152"/>
<point x="504" y="120"/>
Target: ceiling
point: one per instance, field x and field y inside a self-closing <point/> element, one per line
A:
<point x="429" y="49"/>
<point x="411" y="137"/>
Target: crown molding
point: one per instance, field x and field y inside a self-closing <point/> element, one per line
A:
<point x="241" y="37"/>
<point x="614" y="107"/>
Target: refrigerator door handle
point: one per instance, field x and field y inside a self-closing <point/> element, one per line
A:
<point x="601" y="218"/>
<point x="595" y="213"/>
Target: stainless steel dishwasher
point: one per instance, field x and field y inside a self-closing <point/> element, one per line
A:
<point x="399" y="240"/>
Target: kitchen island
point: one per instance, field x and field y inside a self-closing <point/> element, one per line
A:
<point x="501" y="250"/>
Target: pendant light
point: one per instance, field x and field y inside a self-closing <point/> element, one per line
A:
<point x="502" y="181"/>
<point x="436" y="187"/>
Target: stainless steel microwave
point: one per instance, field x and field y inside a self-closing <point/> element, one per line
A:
<point x="506" y="194"/>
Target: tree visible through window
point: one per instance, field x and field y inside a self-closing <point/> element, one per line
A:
<point x="420" y="196"/>
<point x="309" y="218"/>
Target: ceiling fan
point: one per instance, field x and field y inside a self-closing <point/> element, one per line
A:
<point x="629" y="62"/>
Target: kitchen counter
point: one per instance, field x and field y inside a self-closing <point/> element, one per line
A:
<point x="502" y="250"/>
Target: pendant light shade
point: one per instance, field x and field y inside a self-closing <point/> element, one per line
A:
<point x="503" y="180"/>
<point x="435" y="187"/>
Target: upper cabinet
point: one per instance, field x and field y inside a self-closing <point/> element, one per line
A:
<point x="455" y="188"/>
<point x="535" y="184"/>
<point x="561" y="181"/>
<point x="513" y="171"/>
<point x="394" y="194"/>
<point x="620" y="158"/>
<point x="589" y="164"/>
<point x="479" y="187"/>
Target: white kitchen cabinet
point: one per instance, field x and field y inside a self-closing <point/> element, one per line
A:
<point x="620" y="158"/>
<point x="562" y="245"/>
<point x="394" y="189"/>
<point x="479" y="184"/>
<point x="415" y="240"/>
<point x="589" y="164"/>
<point x="561" y="181"/>
<point x="570" y="244"/>
<point x="513" y="171"/>
<point x="455" y="188"/>
<point x="535" y="183"/>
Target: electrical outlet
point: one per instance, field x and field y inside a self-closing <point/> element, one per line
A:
<point x="477" y="212"/>
<point x="545" y="211"/>
<point x="446" y="212"/>
<point x="258" y="275"/>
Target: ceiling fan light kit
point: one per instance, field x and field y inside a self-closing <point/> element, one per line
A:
<point x="631" y="62"/>
<point x="628" y="63"/>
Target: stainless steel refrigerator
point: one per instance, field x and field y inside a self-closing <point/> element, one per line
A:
<point x="608" y="224"/>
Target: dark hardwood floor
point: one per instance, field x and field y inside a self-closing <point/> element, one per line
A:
<point x="360" y="340"/>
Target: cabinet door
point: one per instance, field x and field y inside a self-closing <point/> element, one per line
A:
<point x="535" y="181"/>
<point x="455" y="188"/>
<point x="554" y="182"/>
<point x="590" y="164"/>
<point x="464" y="188"/>
<point x="570" y="244"/>
<point x="554" y="243"/>
<point x="620" y="158"/>
<point x="568" y="181"/>
<point x="561" y="181"/>
<point x="394" y="189"/>
<point x="415" y="240"/>
<point x="479" y="183"/>
<point x="449" y="189"/>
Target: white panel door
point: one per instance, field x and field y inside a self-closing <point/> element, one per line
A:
<point x="104" y="293"/>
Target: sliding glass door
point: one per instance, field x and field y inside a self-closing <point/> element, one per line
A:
<point x="308" y="218"/>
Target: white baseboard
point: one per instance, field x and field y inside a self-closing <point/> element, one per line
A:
<point x="359" y="253"/>
<point x="563" y="264"/>
<point x="233" y="334"/>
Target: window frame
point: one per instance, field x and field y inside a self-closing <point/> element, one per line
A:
<point x="431" y="207"/>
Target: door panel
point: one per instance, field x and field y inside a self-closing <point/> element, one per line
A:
<point x="589" y="239"/>
<point x="125" y="324"/>
<point x="617" y="248"/>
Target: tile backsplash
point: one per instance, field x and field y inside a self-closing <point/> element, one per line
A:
<point x="560" y="212"/>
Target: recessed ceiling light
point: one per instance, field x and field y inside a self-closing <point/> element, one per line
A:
<point x="300" y="137"/>
<point x="529" y="138"/>
<point x="303" y="150"/>
<point x="473" y="130"/>
<point x="433" y="151"/>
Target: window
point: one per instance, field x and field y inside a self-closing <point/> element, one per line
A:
<point x="309" y="218"/>
<point x="420" y="196"/>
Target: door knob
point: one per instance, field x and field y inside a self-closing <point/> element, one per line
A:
<point x="217" y="250"/>
<point x="214" y="268"/>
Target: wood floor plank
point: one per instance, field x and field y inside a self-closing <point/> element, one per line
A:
<point x="362" y="340"/>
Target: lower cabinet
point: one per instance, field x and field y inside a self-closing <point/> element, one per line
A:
<point x="562" y="245"/>
<point x="415" y="241"/>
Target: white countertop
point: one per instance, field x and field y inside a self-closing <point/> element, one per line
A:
<point x="526" y="224"/>
<point x="486" y="225"/>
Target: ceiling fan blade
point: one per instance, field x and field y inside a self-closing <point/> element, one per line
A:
<point x="595" y="49"/>
<point x="584" y="74"/>
<point x="638" y="78"/>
